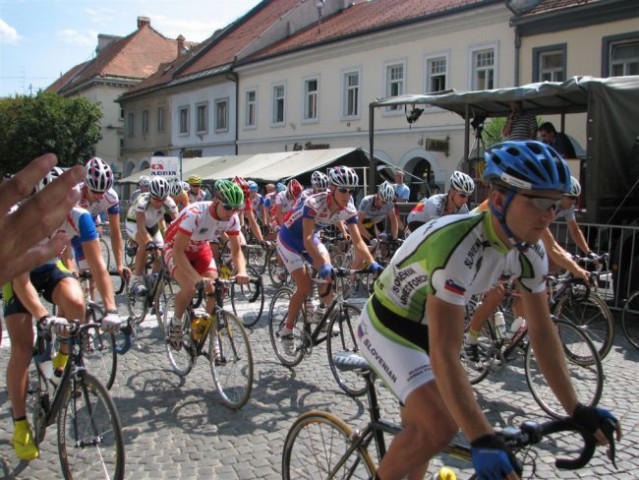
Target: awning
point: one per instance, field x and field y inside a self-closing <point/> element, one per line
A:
<point x="188" y="167"/>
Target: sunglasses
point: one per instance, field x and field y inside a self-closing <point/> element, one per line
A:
<point x="543" y="204"/>
<point x="230" y="208"/>
<point x="345" y="190"/>
<point x="463" y="195"/>
<point x="97" y="193"/>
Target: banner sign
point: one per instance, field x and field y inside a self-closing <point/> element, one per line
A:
<point x="165" y="166"/>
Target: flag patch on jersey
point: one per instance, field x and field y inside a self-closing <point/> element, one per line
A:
<point x="454" y="288"/>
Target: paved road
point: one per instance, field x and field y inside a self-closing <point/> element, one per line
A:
<point x="177" y="428"/>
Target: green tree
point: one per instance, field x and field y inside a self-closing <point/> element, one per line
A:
<point x="31" y="126"/>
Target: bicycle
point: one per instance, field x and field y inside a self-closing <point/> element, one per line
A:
<point x="574" y="301"/>
<point x="229" y="350"/>
<point x="90" y="441"/>
<point x="630" y="319"/>
<point x="319" y="445"/>
<point x="336" y="327"/>
<point x="106" y="253"/>
<point x="494" y="350"/>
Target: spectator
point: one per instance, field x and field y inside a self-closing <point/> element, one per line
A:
<point x="402" y="194"/>
<point x="557" y="140"/>
<point x="520" y="125"/>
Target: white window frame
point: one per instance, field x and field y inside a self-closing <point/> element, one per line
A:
<point x="250" y="109"/>
<point x="310" y="100"/>
<point x="472" y="51"/>
<point x="388" y="86"/>
<point x="346" y="90"/>
<point x="552" y="72"/>
<point x="428" y="59"/>
<point x="623" y="63"/>
<point x="161" y="118"/>
<point x="275" y="122"/>
<point x="201" y="120"/>
<point x="221" y="122"/>
<point x="184" y="113"/>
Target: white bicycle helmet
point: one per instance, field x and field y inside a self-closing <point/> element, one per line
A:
<point x="386" y="191"/>
<point x="186" y="187"/>
<point x="462" y="182"/>
<point x="343" y="176"/>
<point x="319" y="180"/>
<point x="99" y="177"/>
<point x="575" y="188"/>
<point x="176" y="188"/>
<point x="50" y="177"/>
<point x="159" y="188"/>
<point x="144" y="181"/>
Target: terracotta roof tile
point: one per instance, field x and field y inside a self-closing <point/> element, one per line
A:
<point x="133" y="57"/>
<point x="550" y="5"/>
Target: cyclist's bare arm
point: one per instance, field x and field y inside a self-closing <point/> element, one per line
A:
<point x="578" y="236"/>
<point x="560" y="256"/>
<point x="392" y="217"/>
<point x="548" y="348"/>
<point x="361" y="250"/>
<point x="308" y="233"/>
<point x="143" y="236"/>
<point x="446" y="331"/>
<point x="28" y="296"/>
<point x="116" y="242"/>
<point x="238" y="259"/>
<point x="93" y="254"/>
<point x="360" y="226"/>
<point x="255" y="228"/>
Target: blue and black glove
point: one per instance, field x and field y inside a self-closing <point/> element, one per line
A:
<point x="326" y="271"/>
<point x="594" y="418"/>
<point x="375" y="268"/>
<point x="492" y="459"/>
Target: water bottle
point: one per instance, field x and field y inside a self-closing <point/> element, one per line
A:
<point x="516" y="325"/>
<point x="500" y="324"/>
<point x="42" y="355"/>
<point x="445" y="473"/>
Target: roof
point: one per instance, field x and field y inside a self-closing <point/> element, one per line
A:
<point x="365" y="17"/>
<point x="133" y="57"/>
<point x="546" y="6"/>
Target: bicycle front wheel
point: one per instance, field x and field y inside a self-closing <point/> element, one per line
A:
<point x="630" y="319"/>
<point x="106" y="253"/>
<point x="587" y="377"/>
<point x="181" y="355"/>
<point x="231" y="360"/>
<point x="248" y="300"/>
<point x="98" y="352"/>
<point x="90" y="443"/>
<point x="289" y="351"/>
<point x="164" y="303"/>
<point x="319" y="446"/>
<point x="341" y="338"/>
<point x="591" y="315"/>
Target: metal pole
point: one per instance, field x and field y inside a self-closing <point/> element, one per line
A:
<point x="371" y="143"/>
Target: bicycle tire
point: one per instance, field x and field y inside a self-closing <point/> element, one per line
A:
<point x="341" y="338"/>
<point x="183" y="357"/>
<point x="164" y="304"/>
<point x="98" y="352"/>
<point x="477" y="363"/>
<point x="256" y="258"/>
<point x="106" y="253"/>
<point x="592" y="315"/>
<point x="137" y="306"/>
<point x="292" y="355"/>
<point x="316" y="445"/>
<point x="248" y="300"/>
<point x="130" y="249"/>
<point x="233" y="370"/>
<point x="587" y="379"/>
<point x="630" y="319"/>
<point x="90" y="441"/>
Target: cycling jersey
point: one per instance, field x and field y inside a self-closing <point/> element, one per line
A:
<point x="256" y="203"/>
<point x="109" y="202"/>
<point x="197" y="222"/>
<point x="373" y="214"/>
<point x="430" y="208"/>
<point x="567" y="213"/>
<point x="152" y="215"/>
<point x="201" y="196"/>
<point x="316" y="208"/>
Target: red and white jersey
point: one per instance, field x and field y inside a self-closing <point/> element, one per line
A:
<point x="197" y="222"/>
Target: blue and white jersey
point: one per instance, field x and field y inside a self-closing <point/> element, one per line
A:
<point x="315" y="207"/>
<point x="256" y="202"/>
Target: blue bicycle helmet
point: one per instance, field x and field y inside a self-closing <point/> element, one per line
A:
<point x="527" y="165"/>
<point x="252" y="185"/>
<point x="280" y="187"/>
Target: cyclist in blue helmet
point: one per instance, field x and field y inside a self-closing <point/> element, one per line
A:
<point x="412" y="327"/>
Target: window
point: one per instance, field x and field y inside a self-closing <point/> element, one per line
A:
<point x="350" y="107"/>
<point x="620" y="55"/>
<point x="183" y="115"/>
<point x="394" y="82"/>
<point x="436" y="73"/>
<point x="161" y="119"/>
<point x="222" y="115"/>
<point x="145" y="122"/>
<point x="279" y="93"/>
<point x="483" y="69"/>
<point x="122" y="114"/>
<point x="250" y="118"/>
<point x="202" y="123"/>
<point x="310" y="99"/>
<point x="549" y="63"/>
<point x="131" y="124"/>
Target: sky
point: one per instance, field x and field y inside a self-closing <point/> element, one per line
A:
<point x="41" y="39"/>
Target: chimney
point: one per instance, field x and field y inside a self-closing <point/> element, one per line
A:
<point x="104" y="40"/>
<point x="180" y="45"/>
<point x="143" y="21"/>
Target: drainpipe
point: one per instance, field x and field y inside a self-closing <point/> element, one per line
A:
<point x="233" y="77"/>
<point x="517" y="45"/>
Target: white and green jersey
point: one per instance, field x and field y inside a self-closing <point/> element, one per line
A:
<point x="453" y="258"/>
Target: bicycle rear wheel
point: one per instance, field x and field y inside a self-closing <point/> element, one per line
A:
<point x="476" y="359"/>
<point x="90" y="443"/>
<point x="164" y="303"/>
<point x="248" y="300"/>
<point x="592" y="315"/>
<point x="341" y="338"/>
<point x="130" y="249"/>
<point x="288" y="351"/>
<point x="630" y="319"/>
<point x="587" y="379"/>
<point x="231" y="360"/>
<point x="316" y="446"/>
